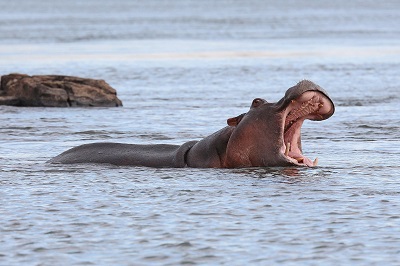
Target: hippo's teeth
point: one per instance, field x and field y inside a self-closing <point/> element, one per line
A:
<point x="320" y="105"/>
<point x="287" y="149"/>
<point x="315" y="163"/>
<point x="299" y="160"/>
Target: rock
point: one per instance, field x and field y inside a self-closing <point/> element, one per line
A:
<point x="56" y="91"/>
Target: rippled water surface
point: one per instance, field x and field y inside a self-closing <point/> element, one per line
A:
<point x="181" y="69"/>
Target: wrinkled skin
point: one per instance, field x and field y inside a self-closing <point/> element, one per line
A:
<point x="267" y="135"/>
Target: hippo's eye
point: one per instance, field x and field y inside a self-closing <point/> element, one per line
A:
<point x="257" y="102"/>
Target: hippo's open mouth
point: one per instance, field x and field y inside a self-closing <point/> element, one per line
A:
<point x="312" y="105"/>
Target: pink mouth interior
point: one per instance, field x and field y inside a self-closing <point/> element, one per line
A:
<point x="311" y="105"/>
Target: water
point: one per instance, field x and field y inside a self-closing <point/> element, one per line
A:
<point x="181" y="69"/>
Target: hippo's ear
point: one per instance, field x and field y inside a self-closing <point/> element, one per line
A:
<point x="234" y="121"/>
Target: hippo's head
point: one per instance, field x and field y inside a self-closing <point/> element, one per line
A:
<point x="269" y="133"/>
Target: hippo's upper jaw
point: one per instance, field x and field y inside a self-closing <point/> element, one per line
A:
<point x="313" y="104"/>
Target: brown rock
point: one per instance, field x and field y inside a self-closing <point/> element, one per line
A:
<point x="55" y="91"/>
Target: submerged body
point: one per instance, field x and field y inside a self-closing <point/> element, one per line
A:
<point x="267" y="135"/>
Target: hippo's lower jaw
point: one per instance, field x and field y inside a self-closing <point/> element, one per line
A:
<point x="312" y="105"/>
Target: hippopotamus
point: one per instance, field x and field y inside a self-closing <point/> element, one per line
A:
<point x="267" y="135"/>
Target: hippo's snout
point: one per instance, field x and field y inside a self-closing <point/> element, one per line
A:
<point x="312" y="105"/>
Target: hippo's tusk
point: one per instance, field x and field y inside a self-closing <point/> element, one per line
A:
<point x="287" y="149"/>
<point x="299" y="160"/>
<point x="315" y="163"/>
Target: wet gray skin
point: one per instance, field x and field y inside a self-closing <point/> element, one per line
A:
<point x="269" y="134"/>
